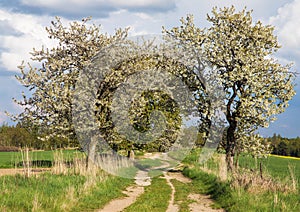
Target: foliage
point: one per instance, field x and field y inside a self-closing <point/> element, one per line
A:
<point x="254" y="145"/>
<point x="285" y="146"/>
<point x="151" y="102"/>
<point x="21" y="136"/>
<point x="240" y="52"/>
<point x="49" y="105"/>
<point x="16" y="136"/>
<point x="257" y="86"/>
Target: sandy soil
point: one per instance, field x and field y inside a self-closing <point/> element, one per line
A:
<point x="118" y="205"/>
<point x="21" y="171"/>
<point x="202" y="203"/>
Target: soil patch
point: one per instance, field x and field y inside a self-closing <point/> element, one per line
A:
<point x="21" y="171"/>
<point x="202" y="203"/>
<point x="116" y="205"/>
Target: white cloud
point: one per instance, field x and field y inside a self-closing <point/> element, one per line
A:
<point x="287" y="23"/>
<point x="16" y="47"/>
<point x="287" y="28"/>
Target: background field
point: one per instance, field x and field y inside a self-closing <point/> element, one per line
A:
<point x="277" y="167"/>
<point x="40" y="158"/>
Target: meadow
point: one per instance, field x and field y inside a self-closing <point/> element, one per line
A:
<point x="67" y="187"/>
<point x="246" y="190"/>
<point x="80" y="189"/>
<point x="273" y="165"/>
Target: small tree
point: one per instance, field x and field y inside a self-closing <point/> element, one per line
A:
<point x="257" y="86"/>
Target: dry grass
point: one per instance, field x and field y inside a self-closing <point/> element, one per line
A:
<point x="59" y="166"/>
<point x="219" y="169"/>
<point x="113" y="163"/>
<point x="251" y="180"/>
<point x="71" y="199"/>
<point x="254" y="183"/>
<point x="36" y="205"/>
<point x="27" y="168"/>
<point x="292" y="170"/>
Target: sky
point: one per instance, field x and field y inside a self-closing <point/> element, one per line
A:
<point x="23" y="22"/>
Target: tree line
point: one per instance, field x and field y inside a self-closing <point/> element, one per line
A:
<point x="285" y="146"/>
<point x="12" y="138"/>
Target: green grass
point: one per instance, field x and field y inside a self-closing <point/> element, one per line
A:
<point x="209" y="184"/>
<point x="275" y="166"/>
<point x="19" y="193"/>
<point x="155" y="173"/>
<point x="182" y="192"/>
<point x="102" y="194"/>
<point x="155" y="198"/>
<point x="8" y="159"/>
<point x="240" y="198"/>
<point x="12" y="159"/>
<point x="49" y="192"/>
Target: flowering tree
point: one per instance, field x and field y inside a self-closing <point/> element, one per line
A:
<point x="257" y="86"/>
<point x="49" y="105"/>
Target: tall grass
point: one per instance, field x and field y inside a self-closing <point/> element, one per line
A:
<point x="247" y="189"/>
<point x="70" y="186"/>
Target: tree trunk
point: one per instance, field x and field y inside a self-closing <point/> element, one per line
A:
<point x="130" y="154"/>
<point x="91" y="152"/>
<point x="230" y="146"/>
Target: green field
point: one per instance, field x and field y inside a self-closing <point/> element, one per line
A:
<point x="12" y="159"/>
<point x="277" y="167"/>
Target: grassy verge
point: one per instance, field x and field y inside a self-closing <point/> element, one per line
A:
<point x="249" y="192"/>
<point x="209" y="184"/>
<point x="72" y="187"/>
<point x="155" y="198"/>
<point x="48" y="192"/>
<point x="102" y="194"/>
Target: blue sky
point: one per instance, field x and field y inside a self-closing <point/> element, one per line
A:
<point x="23" y="22"/>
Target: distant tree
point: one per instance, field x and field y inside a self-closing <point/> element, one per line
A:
<point x="285" y="146"/>
<point x="16" y="136"/>
<point x="282" y="148"/>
